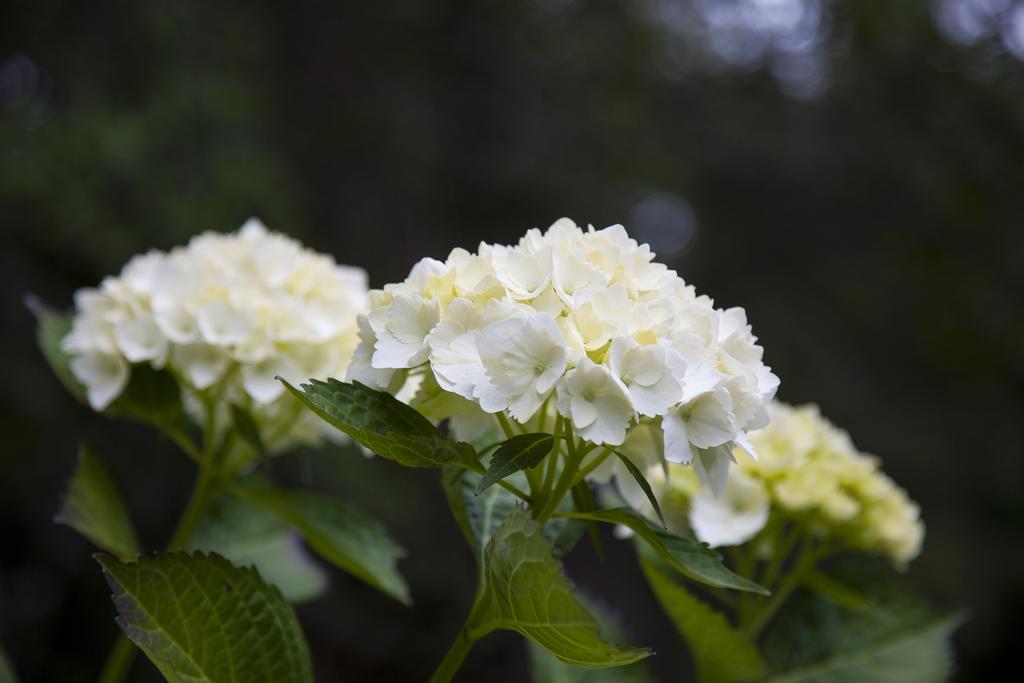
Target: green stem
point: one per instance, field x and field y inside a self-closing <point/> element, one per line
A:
<point x="456" y="654"/>
<point x="119" y="662"/>
<point x="203" y="492"/>
<point x="533" y="478"/>
<point x="564" y="483"/>
<point x="207" y="482"/>
<point x="804" y="562"/>
<point x="542" y="423"/>
<point x="546" y="479"/>
<point x="592" y="465"/>
<point x="552" y="466"/>
<point x="747" y="560"/>
<point x="786" y="539"/>
<point x="506" y="426"/>
<point x="514" y="490"/>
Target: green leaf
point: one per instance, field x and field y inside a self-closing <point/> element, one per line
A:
<point x="342" y="536"/>
<point x="484" y="512"/>
<point x="641" y="480"/>
<point x="546" y="668"/>
<point x="919" y="653"/>
<point x="247" y="428"/>
<point x="7" y="674"/>
<point x="583" y="501"/>
<point x="896" y="638"/>
<point x="382" y="423"/>
<point x="523" y="590"/>
<point x="721" y="654"/>
<point x="251" y="536"/>
<point x="202" y="620"/>
<point x="93" y="507"/>
<point x="480" y="514"/>
<point x="685" y="555"/>
<point x="521" y="452"/>
<point x="51" y="328"/>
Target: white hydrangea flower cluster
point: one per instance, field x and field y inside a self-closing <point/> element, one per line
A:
<point x="226" y="314"/>
<point x="582" y="320"/>
<point x="810" y="469"/>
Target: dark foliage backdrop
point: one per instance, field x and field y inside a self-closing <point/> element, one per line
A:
<point x="857" y="187"/>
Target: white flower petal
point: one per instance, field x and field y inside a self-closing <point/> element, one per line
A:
<point x="220" y="324"/>
<point x="647" y="374"/>
<point x="735" y="516"/>
<point x="677" y="440"/>
<point x="455" y="360"/>
<point x="596" y="403"/>
<point x="203" y="364"/>
<point x="104" y="375"/>
<point x="742" y="442"/>
<point x="402" y="335"/>
<point x="260" y="380"/>
<point x="621" y="339"/>
<point x="177" y="323"/>
<point x="526" y="275"/>
<point x="522" y="358"/>
<point x="709" y="422"/>
<point x="255" y="300"/>
<point x="712" y="467"/>
<point x="140" y="339"/>
<point x="361" y="370"/>
<point x="392" y="353"/>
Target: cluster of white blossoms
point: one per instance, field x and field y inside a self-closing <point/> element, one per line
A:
<point x="807" y="470"/>
<point x="584" y="322"/>
<point x="225" y="314"/>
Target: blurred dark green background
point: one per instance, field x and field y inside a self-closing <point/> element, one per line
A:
<point x="851" y="172"/>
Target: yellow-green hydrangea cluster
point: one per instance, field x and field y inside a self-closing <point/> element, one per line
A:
<point x="809" y="469"/>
